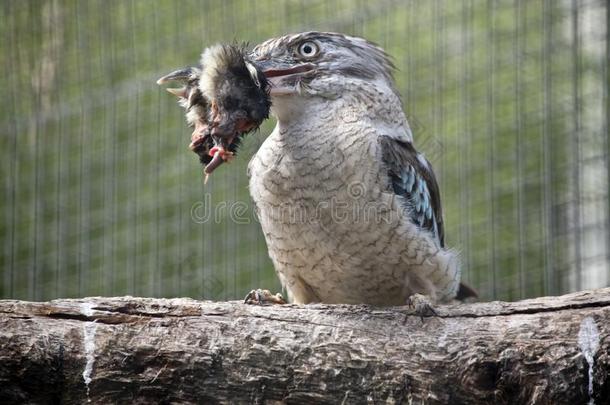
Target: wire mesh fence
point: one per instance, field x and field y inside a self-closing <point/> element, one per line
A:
<point x="508" y="99"/>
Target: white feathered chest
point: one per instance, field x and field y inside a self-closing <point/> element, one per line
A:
<point x="334" y="230"/>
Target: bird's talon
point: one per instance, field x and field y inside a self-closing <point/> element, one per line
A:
<point x="261" y="297"/>
<point x="421" y="305"/>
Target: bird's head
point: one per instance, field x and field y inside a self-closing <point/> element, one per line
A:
<point x="320" y="64"/>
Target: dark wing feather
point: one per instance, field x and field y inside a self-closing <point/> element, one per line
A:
<point x="411" y="177"/>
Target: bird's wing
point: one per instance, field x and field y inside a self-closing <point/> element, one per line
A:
<point x="411" y="177"/>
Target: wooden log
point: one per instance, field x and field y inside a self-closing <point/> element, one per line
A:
<point x="144" y="350"/>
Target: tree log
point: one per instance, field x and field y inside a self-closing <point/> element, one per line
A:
<point x="145" y="350"/>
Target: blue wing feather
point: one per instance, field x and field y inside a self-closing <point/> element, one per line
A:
<point x="412" y="178"/>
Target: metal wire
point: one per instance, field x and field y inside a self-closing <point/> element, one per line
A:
<point x="509" y="99"/>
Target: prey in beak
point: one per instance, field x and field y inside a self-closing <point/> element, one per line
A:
<point x="225" y="97"/>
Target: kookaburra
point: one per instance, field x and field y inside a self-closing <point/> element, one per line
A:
<point x="350" y="210"/>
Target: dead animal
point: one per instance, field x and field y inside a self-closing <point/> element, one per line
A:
<point x="225" y="97"/>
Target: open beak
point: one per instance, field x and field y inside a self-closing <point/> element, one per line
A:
<point x="282" y="77"/>
<point x="182" y="76"/>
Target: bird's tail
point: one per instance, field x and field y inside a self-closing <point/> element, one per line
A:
<point x="466" y="292"/>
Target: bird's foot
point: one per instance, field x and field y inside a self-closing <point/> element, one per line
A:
<point x="262" y="297"/>
<point x="422" y="306"/>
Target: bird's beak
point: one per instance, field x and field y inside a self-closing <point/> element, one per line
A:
<point x="283" y="77"/>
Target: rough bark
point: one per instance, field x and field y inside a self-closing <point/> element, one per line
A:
<point x="144" y="350"/>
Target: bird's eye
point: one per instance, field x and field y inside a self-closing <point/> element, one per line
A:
<point x="308" y="49"/>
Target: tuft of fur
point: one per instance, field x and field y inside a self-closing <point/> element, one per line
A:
<point x="233" y="82"/>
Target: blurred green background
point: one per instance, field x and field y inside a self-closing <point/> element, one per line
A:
<point x="101" y="196"/>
